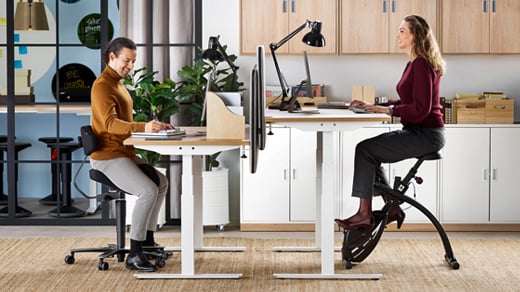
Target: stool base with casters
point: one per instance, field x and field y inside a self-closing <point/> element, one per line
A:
<point x="19" y="211"/>
<point x="116" y="250"/>
<point x="358" y="244"/>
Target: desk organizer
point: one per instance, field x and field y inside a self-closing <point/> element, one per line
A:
<point x="221" y="122"/>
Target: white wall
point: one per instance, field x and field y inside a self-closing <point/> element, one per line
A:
<point x="465" y="74"/>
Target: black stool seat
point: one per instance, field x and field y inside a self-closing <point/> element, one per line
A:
<point x="52" y="198"/>
<point x="63" y="169"/>
<point x="431" y="156"/>
<point x="20" y="211"/>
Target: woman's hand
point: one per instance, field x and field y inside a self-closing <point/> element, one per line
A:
<point x="155" y="126"/>
<point x="370" y="107"/>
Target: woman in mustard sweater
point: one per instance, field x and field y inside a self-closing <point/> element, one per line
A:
<point x="112" y="123"/>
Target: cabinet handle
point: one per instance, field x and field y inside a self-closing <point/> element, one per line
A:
<point x="485" y="174"/>
<point x="293" y="6"/>
<point x="294" y="173"/>
<point x="384" y="6"/>
<point x="494" y="174"/>
<point x="494" y="6"/>
<point x="284" y="6"/>
<point x="393" y="6"/>
<point x="484" y="8"/>
<point x="285" y="174"/>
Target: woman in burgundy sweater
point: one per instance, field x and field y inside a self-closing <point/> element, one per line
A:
<point x="418" y="108"/>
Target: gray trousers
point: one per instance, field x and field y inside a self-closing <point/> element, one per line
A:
<point x="390" y="147"/>
<point x="125" y="174"/>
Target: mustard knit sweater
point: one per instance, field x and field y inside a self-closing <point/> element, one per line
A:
<point x="112" y="116"/>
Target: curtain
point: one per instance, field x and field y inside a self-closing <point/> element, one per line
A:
<point x="172" y="23"/>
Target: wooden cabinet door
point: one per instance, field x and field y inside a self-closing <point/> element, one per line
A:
<point x="399" y="9"/>
<point x="504" y="23"/>
<point x="261" y="23"/>
<point x="465" y="26"/>
<point x="364" y="26"/>
<point x="326" y="12"/>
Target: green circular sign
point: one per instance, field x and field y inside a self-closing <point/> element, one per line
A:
<point x="89" y="30"/>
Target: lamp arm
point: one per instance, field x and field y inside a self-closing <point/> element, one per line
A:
<point x="279" y="73"/>
<point x="275" y="46"/>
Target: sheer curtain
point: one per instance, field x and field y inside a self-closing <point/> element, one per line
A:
<point x="165" y="46"/>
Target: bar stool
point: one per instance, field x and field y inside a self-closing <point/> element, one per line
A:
<point x="3" y="197"/>
<point x="20" y="211"/>
<point x="63" y="169"/>
<point x="52" y="198"/>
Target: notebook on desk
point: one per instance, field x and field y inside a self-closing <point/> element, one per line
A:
<point x="162" y="133"/>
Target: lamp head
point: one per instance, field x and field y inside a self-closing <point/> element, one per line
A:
<point x="212" y="53"/>
<point x="314" y="37"/>
<point x="30" y="16"/>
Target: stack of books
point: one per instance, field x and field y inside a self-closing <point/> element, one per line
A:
<point x="23" y="91"/>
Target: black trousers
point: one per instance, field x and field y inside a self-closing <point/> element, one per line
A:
<point x="394" y="146"/>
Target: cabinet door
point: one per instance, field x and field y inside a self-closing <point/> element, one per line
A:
<point x="261" y="23"/>
<point x="465" y="184"/>
<point x="399" y="9"/>
<point x="505" y="158"/>
<point x="425" y="193"/>
<point x="326" y="12"/>
<point x="303" y="176"/>
<point x="465" y="26"/>
<point x="265" y="194"/>
<point x="364" y="26"/>
<point x="350" y="139"/>
<point x="504" y="24"/>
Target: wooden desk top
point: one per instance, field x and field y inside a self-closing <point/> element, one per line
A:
<point x="194" y="136"/>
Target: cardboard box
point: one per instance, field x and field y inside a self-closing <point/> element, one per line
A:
<point x="483" y="111"/>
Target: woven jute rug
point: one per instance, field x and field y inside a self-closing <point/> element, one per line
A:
<point x="37" y="264"/>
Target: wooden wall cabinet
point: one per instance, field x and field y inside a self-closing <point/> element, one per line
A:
<point x="480" y="26"/>
<point x="269" y="21"/>
<point x="371" y="26"/>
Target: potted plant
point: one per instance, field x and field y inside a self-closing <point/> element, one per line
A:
<point x="194" y="83"/>
<point x="152" y="99"/>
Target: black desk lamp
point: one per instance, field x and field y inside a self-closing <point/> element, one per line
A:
<point x="216" y="52"/>
<point x="313" y="38"/>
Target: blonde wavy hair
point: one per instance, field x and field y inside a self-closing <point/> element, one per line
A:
<point x="425" y="44"/>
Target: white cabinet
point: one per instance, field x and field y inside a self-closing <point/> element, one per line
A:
<point x="425" y="193"/>
<point x="283" y="189"/>
<point x="478" y="176"/>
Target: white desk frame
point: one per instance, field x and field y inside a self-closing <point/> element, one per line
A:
<point x="326" y="124"/>
<point x="192" y="152"/>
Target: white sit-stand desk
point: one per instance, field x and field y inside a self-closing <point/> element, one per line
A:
<point x="326" y="124"/>
<point x="192" y="148"/>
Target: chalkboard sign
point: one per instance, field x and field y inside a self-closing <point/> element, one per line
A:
<point x="75" y="82"/>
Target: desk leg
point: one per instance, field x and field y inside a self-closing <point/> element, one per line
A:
<point x="326" y="182"/>
<point x="191" y="223"/>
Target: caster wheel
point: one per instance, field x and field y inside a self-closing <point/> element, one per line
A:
<point x="348" y="265"/>
<point x="102" y="266"/>
<point x="220" y="228"/>
<point x="69" y="259"/>
<point x="160" y="263"/>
